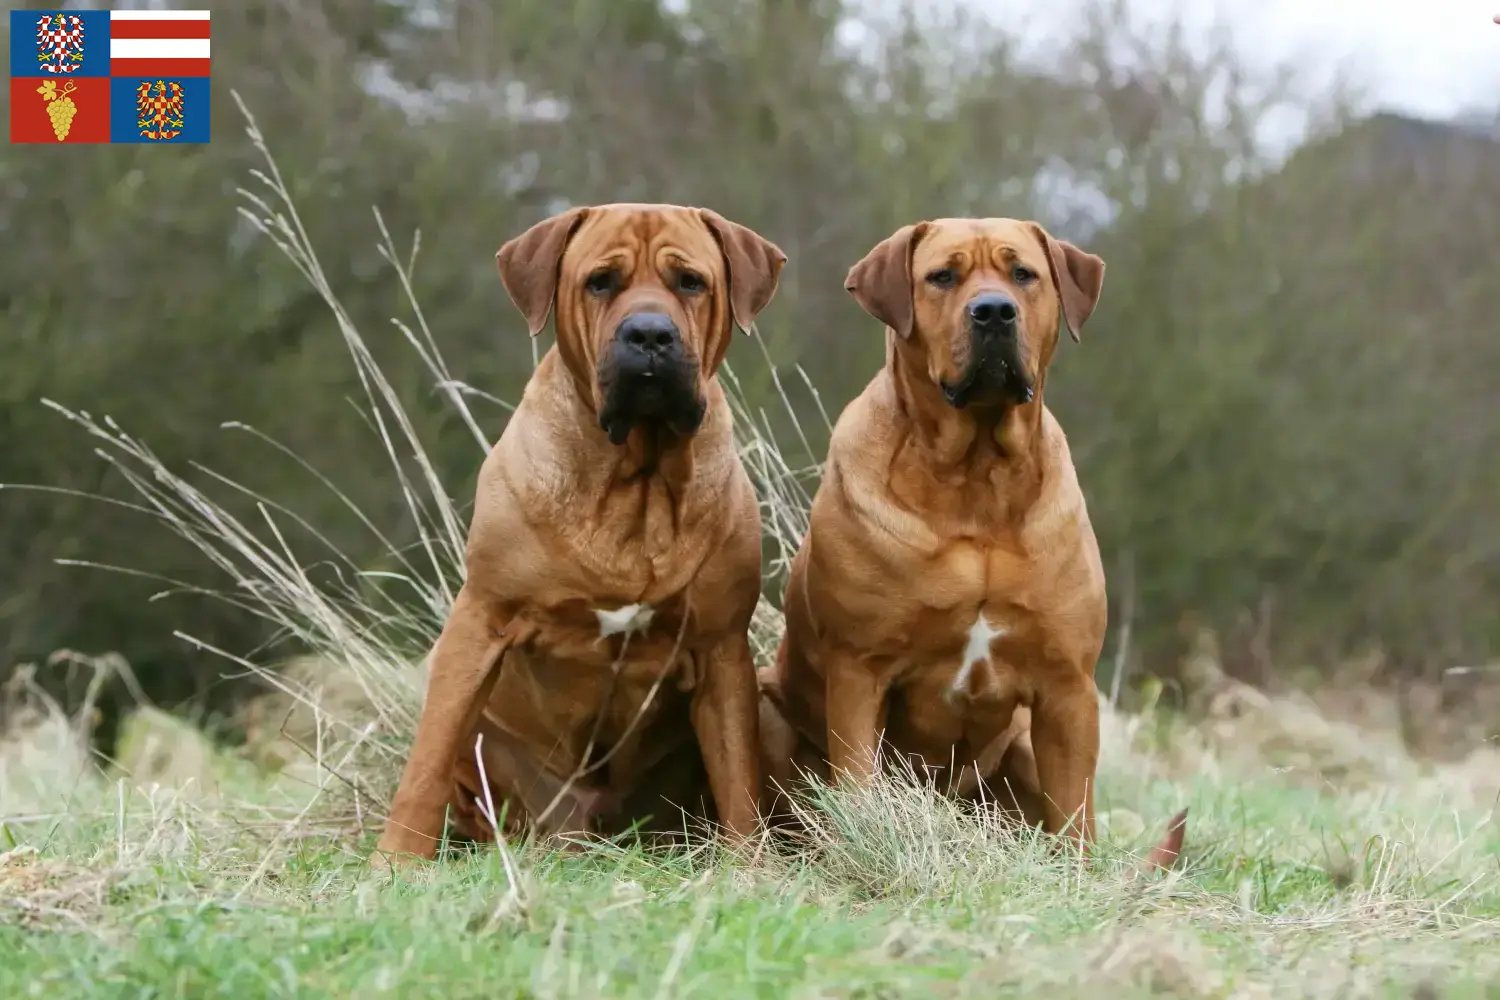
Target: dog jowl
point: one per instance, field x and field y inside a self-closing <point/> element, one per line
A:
<point x="648" y="375"/>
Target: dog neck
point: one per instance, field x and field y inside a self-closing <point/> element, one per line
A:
<point x="970" y="439"/>
<point x="653" y="483"/>
<point x="654" y="451"/>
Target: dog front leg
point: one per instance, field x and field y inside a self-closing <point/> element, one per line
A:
<point x="1065" y="742"/>
<point x="855" y="696"/>
<point x="465" y="664"/>
<point x="726" y="719"/>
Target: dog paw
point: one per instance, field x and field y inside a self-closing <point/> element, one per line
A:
<point x="1166" y="852"/>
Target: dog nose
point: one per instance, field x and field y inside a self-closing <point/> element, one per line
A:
<point x="651" y="334"/>
<point x="993" y="311"/>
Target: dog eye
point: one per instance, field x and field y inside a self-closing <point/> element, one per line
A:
<point x="943" y="277"/>
<point x="690" y="282"/>
<point x="601" y="282"/>
<point x="1022" y="275"/>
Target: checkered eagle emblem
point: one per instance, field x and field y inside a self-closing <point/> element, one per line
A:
<point x="159" y="110"/>
<point x="59" y="42"/>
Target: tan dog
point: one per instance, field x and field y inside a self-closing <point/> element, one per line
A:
<point x="949" y="594"/>
<point x="614" y="555"/>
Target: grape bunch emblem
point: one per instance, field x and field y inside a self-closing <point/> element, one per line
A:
<point x="60" y="107"/>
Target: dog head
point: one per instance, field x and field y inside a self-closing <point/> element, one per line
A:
<point x="979" y="300"/>
<point x="645" y="297"/>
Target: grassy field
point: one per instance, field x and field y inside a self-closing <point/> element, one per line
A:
<point x="1322" y="860"/>
<point x="216" y="877"/>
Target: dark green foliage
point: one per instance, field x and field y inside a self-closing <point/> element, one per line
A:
<point x="1284" y="411"/>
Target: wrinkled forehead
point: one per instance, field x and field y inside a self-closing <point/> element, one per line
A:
<point x="972" y="243"/>
<point x="623" y="233"/>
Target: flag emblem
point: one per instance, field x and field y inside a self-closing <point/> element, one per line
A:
<point x="59" y="43"/>
<point x="159" y="109"/>
<point x="159" y="43"/>
<point x="60" y="107"/>
<point x="139" y="76"/>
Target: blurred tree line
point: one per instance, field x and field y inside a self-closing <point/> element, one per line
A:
<point x="1285" y="410"/>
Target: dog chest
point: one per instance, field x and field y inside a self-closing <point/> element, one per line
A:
<point x="959" y="655"/>
<point x="977" y="652"/>
<point x="569" y="698"/>
<point x="626" y="620"/>
<point x="961" y="687"/>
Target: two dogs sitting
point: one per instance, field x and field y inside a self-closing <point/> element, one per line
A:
<point x="947" y="604"/>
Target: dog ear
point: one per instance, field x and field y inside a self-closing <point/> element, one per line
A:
<point x="753" y="264"/>
<point x="881" y="282"/>
<point x="1078" y="277"/>
<point x="529" y="265"/>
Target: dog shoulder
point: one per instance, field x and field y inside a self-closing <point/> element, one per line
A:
<point x="522" y="482"/>
<point x="867" y="432"/>
<point x="1059" y="520"/>
<point x="855" y="496"/>
<point x="1060" y="512"/>
<point x="528" y="462"/>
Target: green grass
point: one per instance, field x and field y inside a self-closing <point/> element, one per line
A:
<point x="1322" y="859"/>
<point x="1286" y="892"/>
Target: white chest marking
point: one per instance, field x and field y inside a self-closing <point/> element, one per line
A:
<point x="628" y="620"/>
<point x="976" y="650"/>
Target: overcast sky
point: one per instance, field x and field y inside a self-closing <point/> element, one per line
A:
<point x="1432" y="58"/>
<point x="1428" y="57"/>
